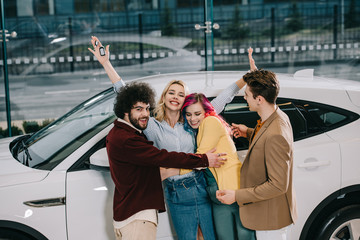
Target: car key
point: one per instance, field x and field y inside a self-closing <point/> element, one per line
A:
<point x="102" y="51"/>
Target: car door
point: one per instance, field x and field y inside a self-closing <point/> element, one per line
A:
<point x="317" y="167"/>
<point x="317" y="162"/>
<point x="89" y="195"/>
<point x="89" y="204"/>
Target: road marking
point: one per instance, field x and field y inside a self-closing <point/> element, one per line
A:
<point x="68" y="91"/>
<point x="226" y="51"/>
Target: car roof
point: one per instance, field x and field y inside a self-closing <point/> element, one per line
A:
<point x="301" y="85"/>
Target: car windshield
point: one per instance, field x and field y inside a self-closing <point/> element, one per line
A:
<point x="51" y="145"/>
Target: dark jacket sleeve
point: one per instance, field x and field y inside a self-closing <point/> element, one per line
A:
<point x="140" y="151"/>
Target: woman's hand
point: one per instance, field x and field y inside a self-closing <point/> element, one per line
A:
<point x="102" y="58"/>
<point x="241" y="83"/>
<point x="251" y="60"/>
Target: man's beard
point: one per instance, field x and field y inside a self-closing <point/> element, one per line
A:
<point x="135" y="122"/>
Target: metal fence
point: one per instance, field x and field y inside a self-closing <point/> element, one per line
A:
<point x="289" y="34"/>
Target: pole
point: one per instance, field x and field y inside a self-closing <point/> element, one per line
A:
<point x="71" y="45"/>
<point x="205" y="37"/>
<point x="141" y="47"/>
<point x="210" y="5"/>
<point x="6" y="79"/>
<point x="272" y="33"/>
<point x="342" y="18"/>
<point x="209" y="35"/>
<point x="335" y="30"/>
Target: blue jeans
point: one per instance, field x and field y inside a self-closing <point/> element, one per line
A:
<point x="227" y="221"/>
<point x="189" y="205"/>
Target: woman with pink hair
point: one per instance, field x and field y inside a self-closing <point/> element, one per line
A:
<point x="211" y="131"/>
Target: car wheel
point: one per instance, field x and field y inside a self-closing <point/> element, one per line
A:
<point x="343" y="224"/>
<point x="8" y="234"/>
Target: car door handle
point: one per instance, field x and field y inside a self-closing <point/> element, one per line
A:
<point x="314" y="164"/>
<point x="50" y="202"/>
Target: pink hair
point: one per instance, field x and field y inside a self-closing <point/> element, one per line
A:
<point x="205" y="103"/>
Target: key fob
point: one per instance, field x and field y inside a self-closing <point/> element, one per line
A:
<point x="102" y="51"/>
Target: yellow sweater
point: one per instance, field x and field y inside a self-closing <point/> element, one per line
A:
<point x="213" y="134"/>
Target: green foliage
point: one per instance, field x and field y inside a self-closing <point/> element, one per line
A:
<point x="350" y="16"/>
<point x="30" y="126"/>
<point x="46" y="122"/>
<point x="14" y="132"/>
<point x="167" y="27"/>
<point x="33" y="126"/>
<point x="236" y="30"/>
<point x="294" y="23"/>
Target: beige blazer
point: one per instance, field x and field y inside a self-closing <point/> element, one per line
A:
<point x="266" y="196"/>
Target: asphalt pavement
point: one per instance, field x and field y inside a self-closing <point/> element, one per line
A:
<point x="50" y="96"/>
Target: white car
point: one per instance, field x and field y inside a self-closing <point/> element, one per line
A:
<point x="56" y="184"/>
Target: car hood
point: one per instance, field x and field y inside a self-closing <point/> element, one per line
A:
<point x="13" y="172"/>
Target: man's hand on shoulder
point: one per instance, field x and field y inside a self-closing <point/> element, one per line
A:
<point x="215" y="159"/>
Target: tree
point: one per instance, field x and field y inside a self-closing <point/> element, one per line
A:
<point x="350" y="17"/>
<point x="236" y="30"/>
<point x="14" y="132"/>
<point x="294" y="23"/>
<point x="167" y="27"/>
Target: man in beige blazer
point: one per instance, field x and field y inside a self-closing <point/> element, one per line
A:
<point x="266" y="196"/>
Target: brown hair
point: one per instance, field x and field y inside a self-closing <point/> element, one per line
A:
<point x="263" y="83"/>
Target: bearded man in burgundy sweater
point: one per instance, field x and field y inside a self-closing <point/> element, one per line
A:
<point x="134" y="165"/>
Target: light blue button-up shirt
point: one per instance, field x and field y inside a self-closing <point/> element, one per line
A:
<point x="177" y="138"/>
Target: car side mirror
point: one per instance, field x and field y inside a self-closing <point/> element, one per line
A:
<point x="99" y="160"/>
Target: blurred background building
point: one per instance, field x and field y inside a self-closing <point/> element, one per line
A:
<point x="50" y="70"/>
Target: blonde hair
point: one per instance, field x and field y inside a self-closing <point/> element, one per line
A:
<point x="159" y="111"/>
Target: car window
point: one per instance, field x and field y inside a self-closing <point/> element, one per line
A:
<point x="307" y="118"/>
<point x="84" y="161"/>
<point x="298" y="121"/>
<point x="238" y="112"/>
<point x="328" y="116"/>
<point x="48" y="147"/>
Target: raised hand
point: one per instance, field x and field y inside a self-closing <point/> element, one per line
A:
<point x="96" y="51"/>
<point x="251" y="60"/>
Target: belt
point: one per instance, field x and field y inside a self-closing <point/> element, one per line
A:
<point x="179" y="177"/>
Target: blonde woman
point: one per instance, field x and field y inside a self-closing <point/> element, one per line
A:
<point x="186" y="196"/>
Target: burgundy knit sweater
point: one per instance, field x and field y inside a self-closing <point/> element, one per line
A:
<point x="134" y="166"/>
